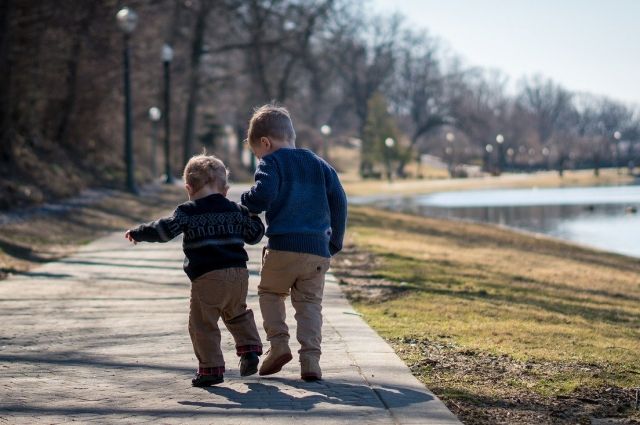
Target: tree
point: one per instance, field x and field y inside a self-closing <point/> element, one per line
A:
<point x="203" y="13"/>
<point x="379" y="127"/>
<point x="550" y="105"/>
<point x="364" y="54"/>
<point x="480" y="108"/>
<point x="419" y="91"/>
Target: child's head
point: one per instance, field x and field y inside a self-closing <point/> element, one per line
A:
<point x="205" y="171"/>
<point x="270" y="129"/>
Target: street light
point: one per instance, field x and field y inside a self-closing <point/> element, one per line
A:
<point x="617" y="136"/>
<point x="510" y="153"/>
<point x="167" y="57"/>
<point x="488" y="149"/>
<point x="545" y="153"/>
<point x="450" y="137"/>
<point x="532" y="152"/>
<point x="389" y="143"/>
<point x="127" y="20"/>
<point x="154" y="117"/>
<point x="326" y="132"/>
<point x="500" y="141"/>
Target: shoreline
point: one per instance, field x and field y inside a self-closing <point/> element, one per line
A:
<point x="541" y="179"/>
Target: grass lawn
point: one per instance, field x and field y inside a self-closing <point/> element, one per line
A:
<point x="505" y="327"/>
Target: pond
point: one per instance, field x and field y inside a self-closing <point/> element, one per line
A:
<point x="607" y="218"/>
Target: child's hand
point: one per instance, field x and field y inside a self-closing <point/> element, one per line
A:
<point x="129" y="237"/>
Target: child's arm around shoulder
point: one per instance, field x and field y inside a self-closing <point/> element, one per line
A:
<point x="261" y="194"/>
<point x="253" y="229"/>
<point x="162" y="230"/>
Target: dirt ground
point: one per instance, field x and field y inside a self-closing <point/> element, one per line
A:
<point x="511" y="389"/>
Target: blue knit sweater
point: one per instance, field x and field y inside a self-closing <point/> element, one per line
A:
<point x="306" y="207"/>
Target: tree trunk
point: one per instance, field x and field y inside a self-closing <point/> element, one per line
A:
<point x="194" y="77"/>
<point x="561" y="160"/>
<point x="69" y="102"/>
<point x="6" y="145"/>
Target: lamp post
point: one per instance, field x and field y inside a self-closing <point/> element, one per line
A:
<point x="154" y="117"/>
<point x="617" y="136"/>
<point x="167" y="57"/>
<point x="326" y="132"/>
<point x="532" y="153"/>
<point x="545" y="154"/>
<point x="510" y="153"/>
<point x="127" y="20"/>
<point x="450" y="137"/>
<point x="500" y="141"/>
<point x="389" y="143"/>
<point x="487" y="149"/>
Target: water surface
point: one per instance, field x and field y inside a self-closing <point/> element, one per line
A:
<point x="607" y="218"/>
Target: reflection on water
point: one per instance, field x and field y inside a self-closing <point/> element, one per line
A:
<point x="605" y="218"/>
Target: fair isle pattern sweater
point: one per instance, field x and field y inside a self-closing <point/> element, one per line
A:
<point x="306" y="207"/>
<point x="214" y="232"/>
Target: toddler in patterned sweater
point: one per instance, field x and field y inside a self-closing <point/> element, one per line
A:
<point x="214" y="231"/>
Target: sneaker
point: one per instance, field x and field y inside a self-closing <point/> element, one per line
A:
<point x="277" y="356"/>
<point x="310" y="369"/>
<point x="249" y="364"/>
<point x="206" y="380"/>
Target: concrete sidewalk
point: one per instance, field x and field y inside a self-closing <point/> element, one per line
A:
<point x="102" y="337"/>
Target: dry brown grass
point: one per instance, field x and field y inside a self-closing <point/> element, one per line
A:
<point x="485" y="315"/>
<point x="46" y="237"/>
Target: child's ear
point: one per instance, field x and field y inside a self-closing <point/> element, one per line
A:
<point x="265" y="142"/>
<point x="188" y="188"/>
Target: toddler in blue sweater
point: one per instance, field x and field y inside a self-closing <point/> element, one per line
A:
<point x="306" y="213"/>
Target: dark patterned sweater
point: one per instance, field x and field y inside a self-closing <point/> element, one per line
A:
<point x="214" y="232"/>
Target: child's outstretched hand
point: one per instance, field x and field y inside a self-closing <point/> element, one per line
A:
<point x="129" y="237"/>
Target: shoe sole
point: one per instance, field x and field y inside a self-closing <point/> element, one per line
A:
<point x="277" y="365"/>
<point x="311" y="378"/>
<point x="251" y="369"/>
<point x="206" y="383"/>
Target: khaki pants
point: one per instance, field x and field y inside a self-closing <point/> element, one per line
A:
<point x="221" y="294"/>
<point x="302" y="275"/>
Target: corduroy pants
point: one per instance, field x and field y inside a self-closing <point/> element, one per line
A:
<point x="302" y="275"/>
<point x="221" y="294"/>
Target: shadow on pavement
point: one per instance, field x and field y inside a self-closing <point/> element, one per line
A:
<point x="68" y="359"/>
<point x="264" y="396"/>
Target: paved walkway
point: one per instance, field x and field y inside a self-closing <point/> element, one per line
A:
<point x="102" y="337"/>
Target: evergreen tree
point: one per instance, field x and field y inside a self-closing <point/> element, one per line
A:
<point x="379" y="126"/>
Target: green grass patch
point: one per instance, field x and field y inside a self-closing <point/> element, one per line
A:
<point x="530" y="300"/>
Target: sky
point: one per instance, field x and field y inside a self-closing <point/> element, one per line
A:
<point x="585" y="45"/>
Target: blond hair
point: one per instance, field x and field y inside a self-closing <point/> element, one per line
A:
<point x="205" y="169"/>
<point x="271" y="121"/>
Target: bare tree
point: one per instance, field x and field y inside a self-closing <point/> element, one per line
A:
<point x="419" y="90"/>
<point x="550" y="105"/>
<point x="364" y="55"/>
<point x="203" y="12"/>
<point x="6" y="18"/>
<point x="481" y="107"/>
